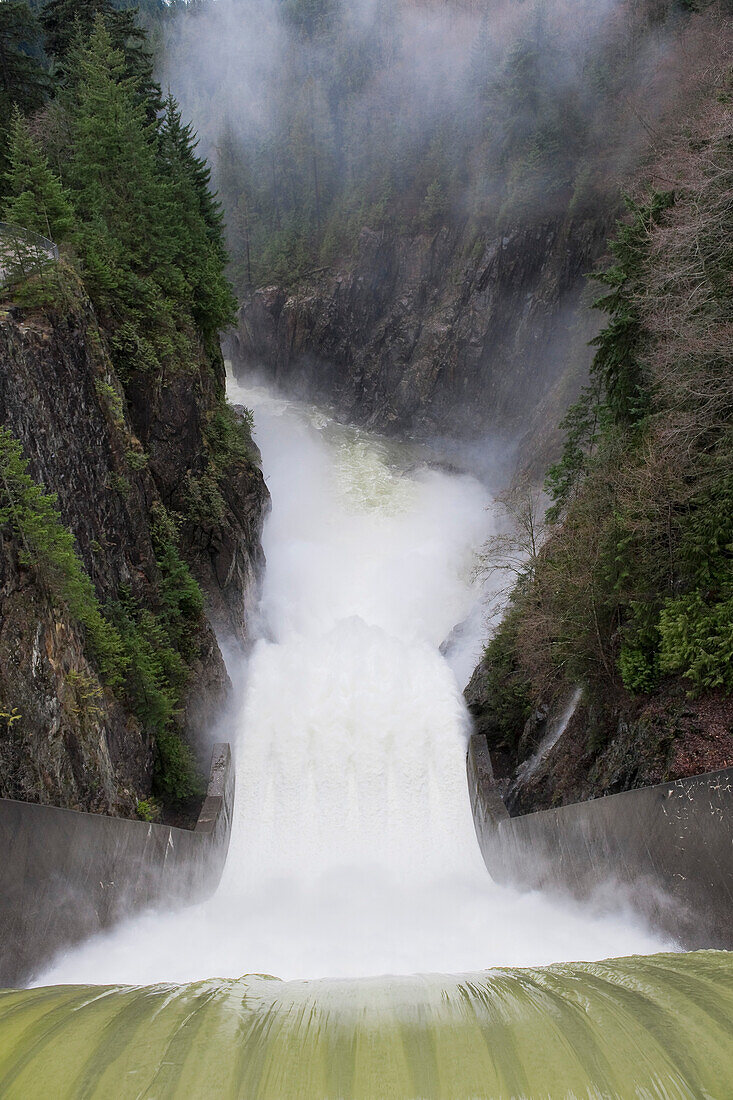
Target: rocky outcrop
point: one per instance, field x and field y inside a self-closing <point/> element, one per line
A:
<point x="446" y="334"/>
<point x="570" y="751"/>
<point x="222" y="508"/>
<point x="63" y="739"/>
<point x="114" y="457"/>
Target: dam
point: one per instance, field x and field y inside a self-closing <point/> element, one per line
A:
<point x="354" y="866"/>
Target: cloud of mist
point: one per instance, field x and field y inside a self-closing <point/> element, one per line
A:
<point x="319" y="114"/>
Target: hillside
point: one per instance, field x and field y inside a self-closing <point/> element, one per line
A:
<point x="630" y="594"/>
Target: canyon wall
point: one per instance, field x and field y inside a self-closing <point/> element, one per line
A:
<point x="119" y="460"/>
<point x="445" y="334"/>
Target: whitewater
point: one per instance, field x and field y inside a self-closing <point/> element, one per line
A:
<point x="353" y="850"/>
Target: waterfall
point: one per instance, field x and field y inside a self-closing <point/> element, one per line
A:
<point x="353" y="850"/>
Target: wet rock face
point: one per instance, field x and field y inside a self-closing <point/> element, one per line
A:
<point x="63" y="740"/>
<point x="111" y="456"/>
<point x="625" y="743"/>
<point x="428" y="335"/>
<point x="223" y="549"/>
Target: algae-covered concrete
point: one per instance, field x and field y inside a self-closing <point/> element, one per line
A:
<point x="65" y="874"/>
<point x="668" y="848"/>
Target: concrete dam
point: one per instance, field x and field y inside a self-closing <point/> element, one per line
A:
<point x="351" y="918"/>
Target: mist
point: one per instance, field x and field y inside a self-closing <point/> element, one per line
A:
<point x="322" y="117"/>
<point x="353" y="849"/>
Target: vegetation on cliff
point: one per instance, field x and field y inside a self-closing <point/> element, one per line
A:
<point x="632" y="593"/>
<point x="96" y="161"/>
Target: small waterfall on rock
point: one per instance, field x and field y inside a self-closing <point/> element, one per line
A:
<point x="353" y="850"/>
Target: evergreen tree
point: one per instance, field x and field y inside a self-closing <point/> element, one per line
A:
<point x="38" y="200"/>
<point x="23" y="82"/>
<point x="124" y="203"/>
<point x="22" y="78"/>
<point x="617" y="363"/>
<point x="66" y="21"/>
<point x="201" y="254"/>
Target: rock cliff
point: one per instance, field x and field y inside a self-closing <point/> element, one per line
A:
<point x="118" y="459"/>
<point x="446" y="334"/>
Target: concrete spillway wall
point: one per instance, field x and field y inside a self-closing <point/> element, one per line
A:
<point x="669" y="848"/>
<point x="65" y="875"/>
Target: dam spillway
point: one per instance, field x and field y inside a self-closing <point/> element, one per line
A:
<point x="353" y="850"/>
<point x="353" y="854"/>
<point x="644" y="1027"/>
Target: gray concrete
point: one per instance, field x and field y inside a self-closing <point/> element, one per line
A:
<point x="65" y="875"/>
<point x="669" y="848"/>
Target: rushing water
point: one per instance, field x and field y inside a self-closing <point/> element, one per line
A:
<point x="654" y="1027"/>
<point x="353" y="851"/>
<point x="353" y="854"/>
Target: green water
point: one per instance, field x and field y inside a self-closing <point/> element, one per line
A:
<point x="655" y="1026"/>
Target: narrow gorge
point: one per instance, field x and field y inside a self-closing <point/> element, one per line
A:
<point x="366" y="589"/>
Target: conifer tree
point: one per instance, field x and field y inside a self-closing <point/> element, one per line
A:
<point x="124" y="203"/>
<point x="23" y="81"/>
<point x="37" y="199"/>
<point x="22" y="78"/>
<point x="65" y="21"/>
<point x="199" y="224"/>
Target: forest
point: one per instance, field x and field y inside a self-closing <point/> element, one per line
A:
<point x="406" y="117"/>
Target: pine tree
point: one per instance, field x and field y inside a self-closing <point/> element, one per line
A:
<point x="125" y="205"/>
<point x="199" y="224"/>
<point x="22" y="78"/>
<point x="23" y="81"/>
<point x="38" y="200"/>
<point x="65" y="21"/>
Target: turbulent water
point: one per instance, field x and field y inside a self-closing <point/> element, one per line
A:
<point x="353" y="850"/>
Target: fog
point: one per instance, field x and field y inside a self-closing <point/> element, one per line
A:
<point x="320" y="116"/>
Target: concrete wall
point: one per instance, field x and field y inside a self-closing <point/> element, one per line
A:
<point x="670" y="847"/>
<point x="65" y="875"/>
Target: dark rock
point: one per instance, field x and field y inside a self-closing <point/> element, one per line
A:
<point x="434" y="335"/>
<point x="110" y="456"/>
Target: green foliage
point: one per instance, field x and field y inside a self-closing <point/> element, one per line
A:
<point x="112" y="400"/>
<point x="581" y="425"/>
<point x="147" y="809"/>
<point x="639" y="669"/>
<point x="125" y="208"/>
<point x="67" y="22"/>
<point x="36" y="199"/>
<point x="47" y="546"/>
<point x="136" y="460"/>
<point x="199" y="224"/>
<point x="697" y="640"/>
<point x="181" y="597"/>
<point x="23" y="82"/>
<point x="507" y="688"/>
<point x="617" y="364"/>
<point x="618" y="398"/>
<point x="205" y="504"/>
<point x="227" y="438"/>
<point x="636" y="583"/>
<point x="141" y="654"/>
